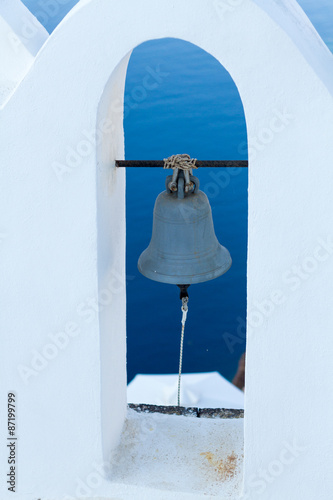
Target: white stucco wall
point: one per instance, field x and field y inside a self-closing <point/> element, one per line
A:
<point x="21" y="37"/>
<point x="62" y="242"/>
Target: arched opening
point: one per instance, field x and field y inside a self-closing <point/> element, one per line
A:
<point x="155" y="133"/>
<point x="179" y="99"/>
<point x="111" y="238"/>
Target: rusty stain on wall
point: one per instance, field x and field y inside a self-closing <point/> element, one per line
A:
<point x="225" y="468"/>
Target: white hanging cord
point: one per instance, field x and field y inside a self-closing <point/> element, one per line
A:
<point x="184" y="311"/>
<point x="182" y="162"/>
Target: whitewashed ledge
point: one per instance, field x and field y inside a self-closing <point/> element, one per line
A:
<point x="166" y="452"/>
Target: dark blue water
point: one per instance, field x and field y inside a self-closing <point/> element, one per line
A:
<point x="194" y="109"/>
<point x="178" y="99"/>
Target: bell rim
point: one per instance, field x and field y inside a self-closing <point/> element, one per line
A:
<point x="186" y="279"/>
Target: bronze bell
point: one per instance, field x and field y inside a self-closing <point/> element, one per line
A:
<point x="183" y="249"/>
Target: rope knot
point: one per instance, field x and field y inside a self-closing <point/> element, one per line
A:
<point x="182" y="162"/>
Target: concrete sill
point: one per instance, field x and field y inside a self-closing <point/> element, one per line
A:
<point x="187" y="452"/>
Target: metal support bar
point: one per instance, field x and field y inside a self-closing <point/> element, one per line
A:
<point x="199" y="163"/>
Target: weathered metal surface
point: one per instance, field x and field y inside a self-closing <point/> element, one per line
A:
<point x="183" y="249"/>
<point x="199" y="163"/>
<point x="188" y="412"/>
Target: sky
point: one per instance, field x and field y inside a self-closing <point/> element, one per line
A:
<point x="51" y="12"/>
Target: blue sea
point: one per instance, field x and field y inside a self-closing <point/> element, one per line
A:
<point x="191" y="106"/>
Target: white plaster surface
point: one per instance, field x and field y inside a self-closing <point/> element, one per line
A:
<point x="62" y="243"/>
<point x="21" y="37"/>
<point x="177" y="455"/>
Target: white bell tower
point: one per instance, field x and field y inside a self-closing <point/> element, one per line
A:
<point x="63" y="241"/>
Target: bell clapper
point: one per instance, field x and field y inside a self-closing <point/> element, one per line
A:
<point x="184" y="299"/>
